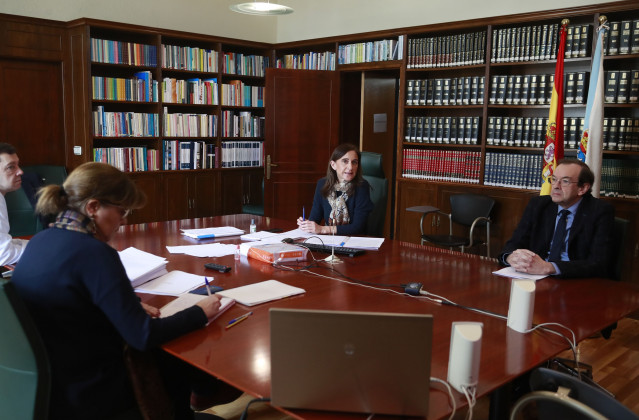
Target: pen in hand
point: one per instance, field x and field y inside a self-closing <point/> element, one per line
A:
<point x="208" y="288"/>
<point x="303" y="213"/>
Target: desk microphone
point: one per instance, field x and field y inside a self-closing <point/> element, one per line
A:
<point x="332" y="258"/>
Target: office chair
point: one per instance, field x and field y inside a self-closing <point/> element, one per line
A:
<point x="373" y="173"/>
<point x="469" y="210"/>
<point x="619" y="234"/>
<point x="560" y="396"/>
<point x="25" y="380"/>
<point x="21" y="203"/>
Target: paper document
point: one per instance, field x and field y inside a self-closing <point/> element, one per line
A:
<point x="216" y="249"/>
<point x="173" y="283"/>
<point x="142" y="266"/>
<point x="346" y="241"/>
<point x="514" y="274"/>
<point x="189" y="299"/>
<point x="258" y="236"/>
<point x="262" y="292"/>
<point x="209" y="233"/>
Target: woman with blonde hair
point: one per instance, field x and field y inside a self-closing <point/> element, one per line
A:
<point x="82" y="301"/>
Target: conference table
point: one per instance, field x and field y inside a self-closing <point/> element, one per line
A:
<point x="240" y="356"/>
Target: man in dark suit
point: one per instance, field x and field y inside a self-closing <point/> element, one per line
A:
<point x="583" y="248"/>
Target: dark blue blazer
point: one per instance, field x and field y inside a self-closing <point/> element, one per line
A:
<point x="359" y="207"/>
<point x="589" y="244"/>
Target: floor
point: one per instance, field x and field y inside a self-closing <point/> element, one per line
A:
<point x="615" y="365"/>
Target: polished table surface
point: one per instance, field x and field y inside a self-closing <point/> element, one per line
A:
<point x="240" y="355"/>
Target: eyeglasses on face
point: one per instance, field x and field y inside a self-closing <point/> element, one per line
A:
<point x="124" y="212"/>
<point x="564" y="182"/>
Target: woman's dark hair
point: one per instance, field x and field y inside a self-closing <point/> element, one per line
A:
<point x="92" y="180"/>
<point x="331" y="175"/>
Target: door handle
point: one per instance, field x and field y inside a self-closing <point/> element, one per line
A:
<point x="268" y="166"/>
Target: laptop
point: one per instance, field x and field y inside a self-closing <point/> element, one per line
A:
<point x="364" y="362"/>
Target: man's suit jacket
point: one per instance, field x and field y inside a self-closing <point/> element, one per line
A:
<point x="590" y="246"/>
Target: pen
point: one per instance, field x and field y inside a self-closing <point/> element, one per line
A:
<point x="303" y="213"/>
<point x="344" y="241"/>
<point x="238" y="319"/>
<point x="208" y="289"/>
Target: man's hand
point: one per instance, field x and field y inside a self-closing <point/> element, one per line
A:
<point x="526" y="261"/>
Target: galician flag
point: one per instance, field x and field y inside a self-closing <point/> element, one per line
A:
<point x="554" y="149"/>
<point x="591" y="145"/>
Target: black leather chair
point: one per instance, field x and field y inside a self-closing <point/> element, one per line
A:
<point x="25" y="380"/>
<point x="557" y="395"/>
<point x="373" y="173"/>
<point x="468" y="210"/>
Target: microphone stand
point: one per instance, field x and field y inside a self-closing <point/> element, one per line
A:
<point x="332" y="258"/>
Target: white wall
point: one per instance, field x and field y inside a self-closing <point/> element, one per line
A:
<point x="311" y="19"/>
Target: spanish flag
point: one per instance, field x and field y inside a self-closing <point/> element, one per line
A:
<point x="554" y="149"/>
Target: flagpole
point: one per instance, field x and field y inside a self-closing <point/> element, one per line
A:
<point x="591" y="144"/>
<point x="554" y="149"/>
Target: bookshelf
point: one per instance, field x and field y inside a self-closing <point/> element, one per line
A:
<point x="170" y="107"/>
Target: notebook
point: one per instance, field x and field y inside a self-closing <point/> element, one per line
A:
<point x="364" y="362"/>
<point x="189" y="299"/>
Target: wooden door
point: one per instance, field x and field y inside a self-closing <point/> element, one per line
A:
<point x="302" y="128"/>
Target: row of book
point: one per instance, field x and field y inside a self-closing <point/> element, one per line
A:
<point x="513" y="170"/>
<point x="139" y="88"/>
<point x="307" y="61"/>
<point x="119" y="52"/>
<point x="190" y="91"/>
<point x="447" y="51"/>
<point x="524" y="43"/>
<point x="240" y="154"/>
<point x="189" y="125"/>
<point x="442" y="165"/>
<point x="236" y="93"/>
<point x="183" y="155"/>
<point x="622" y="86"/>
<point x="448" y="130"/>
<point x="446" y="91"/>
<point x="530" y="131"/>
<point x="578" y="41"/>
<point x="620" y="178"/>
<point x="622" y="38"/>
<point x="241" y="124"/>
<point x="189" y="58"/>
<point x="128" y="159"/>
<point x="245" y="65"/>
<point x="529" y="89"/>
<point x="124" y="124"/>
<point x="367" y="52"/>
<point x="621" y="134"/>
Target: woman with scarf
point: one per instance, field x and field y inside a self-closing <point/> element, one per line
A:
<point x="342" y="199"/>
<point x="82" y="302"/>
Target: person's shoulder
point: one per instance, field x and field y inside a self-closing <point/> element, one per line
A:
<point x="597" y="203"/>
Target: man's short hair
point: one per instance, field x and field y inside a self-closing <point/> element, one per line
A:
<point x="585" y="174"/>
<point x="7" y="148"/>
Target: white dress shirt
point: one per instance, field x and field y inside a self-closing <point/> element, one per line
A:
<point x="10" y="249"/>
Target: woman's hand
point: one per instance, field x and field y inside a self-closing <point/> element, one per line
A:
<point x="210" y="305"/>
<point x="151" y="310"/>
<point x="310" y="226"/>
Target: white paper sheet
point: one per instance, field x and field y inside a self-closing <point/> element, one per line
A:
<point x="514" y="274"/>
<point x="174" y="283"/>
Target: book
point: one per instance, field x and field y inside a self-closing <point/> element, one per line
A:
<point x="585" y="40"/>
<point x="542" y="92"/>
<point x="570" y="35"/>
<point x="516" y="100"/>
<point x="623" y="86"/>
<point x="141" y="266"/>
<point x="262" y="292"/>
<point x="534" y="87"/>
<point x="580" y="87"/>
<point x="570" y="88"/>
<point x="277" y="252"/>
<point x="525" y="89"/>
<point x="634" y="37"/>
<point x="501" y="89"/>
<point x="187" y="300"/>
<point x="613" y="38"/>
<point x="611" y="86"/>
<point x="625" y="30"/>
<point x="633" y="91"/>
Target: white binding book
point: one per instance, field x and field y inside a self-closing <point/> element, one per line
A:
<point x="189" y="299"/>
<point x="265" y="291"/>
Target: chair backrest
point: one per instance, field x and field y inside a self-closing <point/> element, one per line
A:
<point x="619" y="234"/>
<point x="20" y="204"/>
<point x="465" y="208"/>
<point x="24" y="366"/>
<point x="373" y="173"/>
<point x="552" y="405"/>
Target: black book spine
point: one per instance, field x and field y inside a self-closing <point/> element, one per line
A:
<point x="576" y="42"/>
<point x="612" y="138"/>
<point x="517" y="45"/>
<point x="536" y="36"/>
<point x="610" y="95"/>
<point x="570" y="88"/>
<point x="517" y="90"/>
<point x="580" y="87"/>
<point x="624" y="36"/>
<point x="419" y="129"/>
<point x="633" y="92"/>
<point x="446" y="130"/>
<point x="527" y="43"/>
<point x="623" y="89"/>
<point x="505" y="126"/>
<point x="621" y="134"/>
<point x="481" y="91"/>
<point x="525" y="135"/>
<point x="430" y="91"/>
<point x="544" y="42"/>
<point x="474" y="90"/>
<point x="459" y="97"/>
<point x="410" y="87"/>
<point x="474" y="135"/>
<point x="408" y="129"/>
<point x="498" y="126"/>
<point x="541" y="93"/>
<point x="426" y="130"/>
<point x="540" y="140"/>
<point x="512" y="127"/>
<point x="634" y="37"/>
<point x="490" y="132"/>
<point x="613" y="38"/>
<point x="439" y="86"/>
<point x="570" y="35"/>
<point x="605" y="137"/>
<point x="453" y="130"/>
<point x="421" y="100"/>
<point x="534" y="88"/>
<point x="433" y="129"/>
<point x="554" y="42"/>
<point x="571" y="135"/>
<point x="446" y="91"/>
<point x="510" y="86"/>
<point x="493" y="50"/>
<point x="525" y="89"/>
<point x="494" y="81"/>
<point x="585" y="41"/>
<point x="519" y="131"/>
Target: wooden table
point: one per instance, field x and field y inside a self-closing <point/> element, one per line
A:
<point x="240" y="356"/>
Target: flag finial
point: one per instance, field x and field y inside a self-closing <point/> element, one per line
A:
<point x="603" y="19"/>
<point x="565" y="22"/>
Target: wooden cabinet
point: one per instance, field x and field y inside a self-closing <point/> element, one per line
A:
<point x="240" y="187"/>
<point x="190" y="194"/>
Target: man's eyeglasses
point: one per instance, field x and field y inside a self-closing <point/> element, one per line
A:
<point x="564" y="182"/>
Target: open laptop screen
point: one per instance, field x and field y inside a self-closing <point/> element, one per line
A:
<point x="366" y="362"/>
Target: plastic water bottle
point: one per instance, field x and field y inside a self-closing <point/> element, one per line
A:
<point x="253" y="228"/>
<point x="237" y="253"/>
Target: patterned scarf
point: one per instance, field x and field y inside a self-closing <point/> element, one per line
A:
<point x="75" y="221"/>
<point x="339" y="211"/>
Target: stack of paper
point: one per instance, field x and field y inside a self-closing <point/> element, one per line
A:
<point x="187" y="300"/>
<point x="262" y="292"/>
<point x="141" y="266"/>
<point x="209" y="233"/>
<point x="174" y="283"/>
